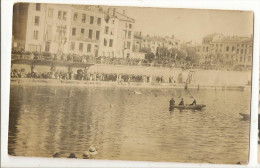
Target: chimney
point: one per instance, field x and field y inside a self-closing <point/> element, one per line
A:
<point x="114" y="11"/>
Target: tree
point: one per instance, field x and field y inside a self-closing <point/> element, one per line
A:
<point x="146" y="50"/>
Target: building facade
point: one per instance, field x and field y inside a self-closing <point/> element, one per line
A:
<point x="118" y="34"/>
<point x="58" y="28"/>
<point x="85" y="32"/>
<point x="233" y="50"/>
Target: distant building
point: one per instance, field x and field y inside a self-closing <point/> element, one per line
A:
<point x="118" y="34"/>
<point x="154" y="42"/>
<point x="137" y="41"/>
<point x="234" y="49"/>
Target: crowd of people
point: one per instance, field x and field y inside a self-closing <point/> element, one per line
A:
<point x="20" y="54"/>
<point x="83" y="74"/>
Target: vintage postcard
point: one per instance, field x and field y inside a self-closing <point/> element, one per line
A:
<point x="130" y="83"/>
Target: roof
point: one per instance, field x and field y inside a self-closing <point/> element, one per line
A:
<point x="155" y="39"/>
<point x="233" y="39"/>
<point x="123" y="17"/>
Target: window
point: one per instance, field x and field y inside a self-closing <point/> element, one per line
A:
<point x="38" y="6"/>
<point x="129" y="34"/>
<point x="106" y="29"/>
<point x="47" y="46"/>
<point x="99" y="21"/>
<point x="241" y="51"/>
<point x="35" y="35"/>
<point x="50" y="13"/>
<point x="37" y="20"/>
<point x="237" y="45"/>
<point x="64" y="15"/>
<point x="91" y="19"/>
<point x="89" y="48"/>
<point x="227" y="48"/>
<point x="241" y="59"/>
<point x="237" y="51"/>
<point x="72" y="46"/>
<point x="113" y="21"/>
<point x="97" y="35"/>
<point x="130" y="26"/>
<point x="245" y="51"/>
<point x="105" y="42"/>
<point x="84" y="16"/>
<point x="128" y="45"/>
<point x="233" y="48"/>
<point x="59" y="15"/>
<point x="216" y="45"/>
<point x="73" y="31"/>
<point x="128" y="55"/>
<point x="242" y="45"/>
<point x="81" y="47"/>
<point x="82" y="31"/>
<point x="221" y="45"/>
<point x="90" y="31"/>
<point x="111" y="43"/>
<point x="75" y="16"/>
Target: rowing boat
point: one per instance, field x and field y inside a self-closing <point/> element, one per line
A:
<point x="188" y="106"/>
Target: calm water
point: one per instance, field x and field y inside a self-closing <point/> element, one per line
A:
<point x="127" y="126"/>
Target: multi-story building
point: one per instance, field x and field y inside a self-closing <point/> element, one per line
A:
<point x="109" y="35"/>
<point x="233" y="49"/>
<point x="57" y="28"/>
<point x="118" y="34"/>
<point x="85" y="32"/>
<point x="137" y="41"/>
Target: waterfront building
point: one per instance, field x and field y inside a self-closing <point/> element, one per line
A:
<point x="233" y="50"/>
<point x="57" y="28"/>
<point x="85" y="33"/>
<point x="118" y="34"/>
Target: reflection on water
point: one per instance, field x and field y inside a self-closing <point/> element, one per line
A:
<point x="123" y="125"/>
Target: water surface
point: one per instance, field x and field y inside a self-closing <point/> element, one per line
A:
<point x="127" y="126"/>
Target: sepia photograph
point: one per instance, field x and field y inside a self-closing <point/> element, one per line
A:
<point x="130" y="83"/>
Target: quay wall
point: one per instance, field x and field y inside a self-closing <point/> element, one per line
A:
<point x="199" y="77"/>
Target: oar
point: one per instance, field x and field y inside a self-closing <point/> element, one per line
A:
<point x="186" y="106"/>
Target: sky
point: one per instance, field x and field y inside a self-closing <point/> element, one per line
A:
<point x="190" y="24"/>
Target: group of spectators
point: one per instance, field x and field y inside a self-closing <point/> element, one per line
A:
<point x="19" y="54"/>
<point x="82" y="74"/>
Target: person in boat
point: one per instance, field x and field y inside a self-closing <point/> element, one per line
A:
<point x="194" y="102"/>
<point x="181" y="103"/>
<point x="172" y="102"/>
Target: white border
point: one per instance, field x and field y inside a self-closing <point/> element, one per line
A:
<point x="6" y="36"/>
